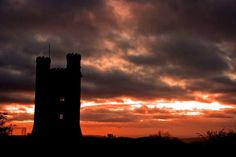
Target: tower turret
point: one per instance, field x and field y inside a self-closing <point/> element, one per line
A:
<point x="43" y="63"/>
<point x="73" y="61"/>
<point x="72" y="110"/>
<point x="41" y="93"/>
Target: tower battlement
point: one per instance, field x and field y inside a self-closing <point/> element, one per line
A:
<point x="73" y="55"/>
<point x="73" y="61"/>
<point x="57" y="69"/>
<point x="42" y="59"/>
<point x="43" y="62"/>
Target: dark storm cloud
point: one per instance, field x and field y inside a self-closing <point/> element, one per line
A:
<point x="16" y="71"/>
<point x="43" y="14"/>
<point x="218" y="115"/>
<point x="212" y="19"/>
<point x="15" y="81"/>
<point x="11" y="59"/>
<point x="28" y="26"/>
<point x="219" y="84"/>
<point x="227" y="98"/>
<point x="184" y="57"/>
<point x="70" y="25"/>
<point x="187" y="35"/>
<point x="201" y="63"/>
<point x="194" y="56"/>
<point x="105" y="115"/>
<point x="115" y="83"/>
<point x="14" y="99"/>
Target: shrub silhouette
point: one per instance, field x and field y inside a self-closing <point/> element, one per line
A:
<point x="221" y="137"/>
<point x="161" y="134"/>
<point x="4" y="130"/>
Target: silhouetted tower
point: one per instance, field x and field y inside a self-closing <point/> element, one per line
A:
<point x="57" y="98"/>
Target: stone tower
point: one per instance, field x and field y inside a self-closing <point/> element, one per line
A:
<point x="57" y="98"/>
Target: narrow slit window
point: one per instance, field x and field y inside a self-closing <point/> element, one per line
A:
<point x="61" y="116"/>
<point x="62" y="99"/>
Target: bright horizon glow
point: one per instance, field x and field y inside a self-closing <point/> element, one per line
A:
<point x="17" y="108"/>
<point x="159" y="113"/>
<point x="123" y="101"/>
<point x="190" y="105"/>
<point x="173" y="105"/>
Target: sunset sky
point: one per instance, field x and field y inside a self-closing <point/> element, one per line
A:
<point x="147" y="65"/>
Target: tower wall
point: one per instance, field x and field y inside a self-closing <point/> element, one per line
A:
<point x="57" y="79"/>
<point x="41" y="95"/>
<point x="72" y="108"/>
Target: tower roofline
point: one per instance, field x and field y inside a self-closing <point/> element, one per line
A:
<point x="43" y="59"/>
<point x="73" y="55"/>
<point x="57" y="69"/>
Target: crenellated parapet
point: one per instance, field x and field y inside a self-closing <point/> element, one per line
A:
<point x="55" y="70"/>
<point x="43" y="62"/>
<point x="73" y="61"/>
<point x="73" y="56"/>
<point x="43" y="59"/>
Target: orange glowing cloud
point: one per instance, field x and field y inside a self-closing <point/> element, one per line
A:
<point x="103" y="116"/>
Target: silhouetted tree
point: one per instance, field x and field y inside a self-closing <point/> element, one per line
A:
<point x="4" y="130"/>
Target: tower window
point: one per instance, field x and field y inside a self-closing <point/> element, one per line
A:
<point x="61" y="116"/>
<point x="62" y="99"/>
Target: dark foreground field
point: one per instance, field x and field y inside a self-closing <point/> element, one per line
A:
<point x="153" y="145"/>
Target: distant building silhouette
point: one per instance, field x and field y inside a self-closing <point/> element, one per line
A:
<point x="57" y="98"/>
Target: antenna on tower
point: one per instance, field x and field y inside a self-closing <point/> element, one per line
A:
<point x="49" y="50"/>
